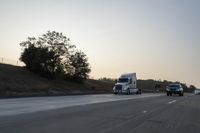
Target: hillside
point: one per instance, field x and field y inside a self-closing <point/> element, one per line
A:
<point x="17" y="81"/>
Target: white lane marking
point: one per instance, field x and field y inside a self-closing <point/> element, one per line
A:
<point x="172" y="102"/>
<point x="144" y="111"/>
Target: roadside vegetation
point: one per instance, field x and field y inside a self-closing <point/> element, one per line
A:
<point x="52" y="55"/>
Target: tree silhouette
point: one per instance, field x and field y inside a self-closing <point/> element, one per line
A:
<point x="78" y="66"/>
<point x="53" y="54"/>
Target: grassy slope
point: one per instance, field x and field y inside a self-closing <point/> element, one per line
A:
<point x="17" y="81"/>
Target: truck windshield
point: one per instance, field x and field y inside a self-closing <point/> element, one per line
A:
<point x="123" y="80"/>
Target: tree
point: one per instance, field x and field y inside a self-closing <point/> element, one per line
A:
<point x="157" y="86"/>
<point x="192" y="87"/>
<point x="78" y="66"/>
<point x="41" y="60"/>
<point x="53" y="54"/>
<point x="183" y="85"/>
<point x="55" y="42"/>
<point x="111" y="80"/>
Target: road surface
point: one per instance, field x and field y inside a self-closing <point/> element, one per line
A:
<point x="152" y="113"/>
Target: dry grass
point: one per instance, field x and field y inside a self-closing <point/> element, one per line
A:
<point x="17" y="81"/>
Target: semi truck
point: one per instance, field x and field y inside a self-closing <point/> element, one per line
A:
<point x="126" y="84"/>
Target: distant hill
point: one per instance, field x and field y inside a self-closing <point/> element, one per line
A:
<point x="17" y="81"/>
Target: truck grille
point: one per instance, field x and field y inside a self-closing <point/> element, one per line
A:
<point x="118" y="87"/>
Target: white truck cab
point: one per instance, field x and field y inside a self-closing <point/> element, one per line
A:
<point x="127" y="83"/>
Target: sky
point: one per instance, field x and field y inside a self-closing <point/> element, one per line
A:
<point x="157" y="39"/>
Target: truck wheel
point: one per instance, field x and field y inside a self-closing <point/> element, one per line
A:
<point x="170" y="94"/>
<point x="139" y="92"/>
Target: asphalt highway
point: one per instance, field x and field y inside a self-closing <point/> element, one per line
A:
<point x="146" y="113"/>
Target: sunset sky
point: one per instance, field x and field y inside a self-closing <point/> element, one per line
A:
<point x="157" y="39"/>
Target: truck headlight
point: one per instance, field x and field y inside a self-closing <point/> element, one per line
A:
<point x="125" y="88"/>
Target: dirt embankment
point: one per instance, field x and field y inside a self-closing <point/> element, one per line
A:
<point x="17" y="81"/>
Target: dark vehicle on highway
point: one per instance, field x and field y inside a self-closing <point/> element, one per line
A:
<point x="174" y="89"/>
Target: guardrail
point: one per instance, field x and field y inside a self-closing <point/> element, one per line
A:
<point x="11" y="62"/>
